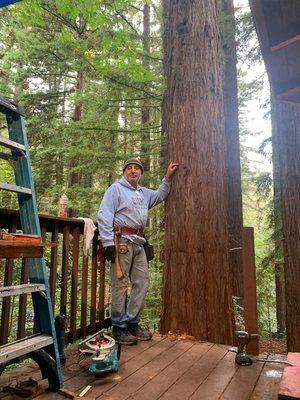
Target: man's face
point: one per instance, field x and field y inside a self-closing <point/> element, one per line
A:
<point x="132" y="174"/>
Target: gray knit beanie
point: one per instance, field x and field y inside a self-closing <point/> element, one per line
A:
<point x="135" y="161"/>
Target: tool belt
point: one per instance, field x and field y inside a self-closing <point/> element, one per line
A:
<point x="126" y="230"/>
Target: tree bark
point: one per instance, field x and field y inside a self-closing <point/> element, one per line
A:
<point x="288" y="133"/>
<point x="278" y="245"/>
<point x="145" y="112"/>
<point x="197" y="278"/>
<point x="233" y="165"/>
<point x="74" y="176"/>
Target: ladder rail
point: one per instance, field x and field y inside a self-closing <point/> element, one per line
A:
<point x="44" y="317"/>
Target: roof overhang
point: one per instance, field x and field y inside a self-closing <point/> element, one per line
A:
<point x="4" y="3"/>
<point x="277" y="24"/>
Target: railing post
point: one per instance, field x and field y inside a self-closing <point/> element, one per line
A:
<point x="250" y="297"/>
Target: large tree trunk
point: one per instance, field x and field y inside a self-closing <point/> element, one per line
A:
<point x="288" y="131"/>
<point x="235" y="209"/>
<point x="279" y="264"/>
<point x="73" y="163"/>
<point x="197" y="278"/>
<point x="145" y="112"/>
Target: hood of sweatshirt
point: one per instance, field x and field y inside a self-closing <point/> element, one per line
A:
<point x="124" y="182"/>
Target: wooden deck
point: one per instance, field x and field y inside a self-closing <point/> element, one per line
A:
<point x="167" y="370"/>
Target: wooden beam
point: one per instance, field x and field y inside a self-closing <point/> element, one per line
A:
<point x="250" y="297"/>
<point x="10" y="144"/>
<point x="285" y="43"/>
<point x="15" y="188"/>
<point x="24" y="346"/>
<point x="13" y="249"/>
<point x="21" y="289"/>
<point x="288" y="93"/>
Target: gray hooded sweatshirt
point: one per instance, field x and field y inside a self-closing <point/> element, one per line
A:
<point x="124" y="205"/>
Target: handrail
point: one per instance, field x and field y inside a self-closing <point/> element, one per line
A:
<point x="77" y="283"/>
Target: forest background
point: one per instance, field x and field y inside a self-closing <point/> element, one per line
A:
<point x="89" y="75"/>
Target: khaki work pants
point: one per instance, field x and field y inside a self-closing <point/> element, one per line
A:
<point x="135" y="272"/>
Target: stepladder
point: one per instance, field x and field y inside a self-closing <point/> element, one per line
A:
<point x="42" y="345"/>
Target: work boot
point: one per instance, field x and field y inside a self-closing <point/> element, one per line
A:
<point x="138" y="332"/>
<point x="123" y="336"/>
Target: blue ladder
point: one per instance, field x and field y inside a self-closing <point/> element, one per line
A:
<point x="41" y="347"/>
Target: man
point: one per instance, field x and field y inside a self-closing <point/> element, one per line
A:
<point x="122" y="219"/>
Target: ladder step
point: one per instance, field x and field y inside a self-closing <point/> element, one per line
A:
<point x="7" y="157"/>
<point x="24" y="346"/>
<point x="21" y="289"/>
<point x="7" y="107"/>
<point x="11" y="144"/>
<point x="15" y="188"/>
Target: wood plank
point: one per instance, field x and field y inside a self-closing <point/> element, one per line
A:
<point x="214" y="385"/>
<point x="101" y="292"/>
<point x="64" y="269"/>
<point x="15" y="188"/>
<point x="10" y="144"/>
<point x="268" y="384"/>
<point x="53" y="265"/>
<point x="243" y="382"/>
<point x="23" y="300"/>
<point x="94" y="285"/>
<point x="13" y="249"/>
<point x="250" y="297"/>
<point x="84" y="285"/>
<point x="74" y="283"/>
<point x="289" y="388"/>
<point x="20" y="289"/>
<point x="173" y="375"/>
<point x="288" y="94"/>
<point x="285" y="43"/>
<point x="143" y="374"/>
<point x="6" y="303"/>
<point x="13" y="350"/>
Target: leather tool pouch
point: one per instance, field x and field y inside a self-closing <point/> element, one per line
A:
<point x="149" y="250"/>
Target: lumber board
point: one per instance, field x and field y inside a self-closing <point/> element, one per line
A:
<point x="15" y="188"/>
<point x="13" y="350"/>
<point x="11" y="144"/>
<point x="13" y="249"/>
<point x="21" y="289"/>
<point x="289" y="388"/>
<point x="285" y="43"/>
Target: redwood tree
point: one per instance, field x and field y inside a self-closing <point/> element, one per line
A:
<point x="235" y="210"/>
<point x="288" y="136"/>
<point x="197" y="278"/>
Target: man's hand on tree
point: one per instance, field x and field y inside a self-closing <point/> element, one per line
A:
<point x="172" y="168"/>
<point x="110" y="253"/>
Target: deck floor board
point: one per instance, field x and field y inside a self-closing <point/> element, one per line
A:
<point x="165" y="369"/>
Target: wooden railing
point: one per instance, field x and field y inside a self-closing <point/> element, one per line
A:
<point x="77" y="283"/>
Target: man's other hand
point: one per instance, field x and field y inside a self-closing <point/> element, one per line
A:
<point x="172" y="168"/>
<point x="110" y="253"/>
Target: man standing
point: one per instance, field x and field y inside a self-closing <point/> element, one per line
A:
<point x="122" y="219"/>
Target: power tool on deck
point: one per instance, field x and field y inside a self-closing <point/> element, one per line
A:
<point x="102" y="348"/>
<point x="243" y="339"/>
